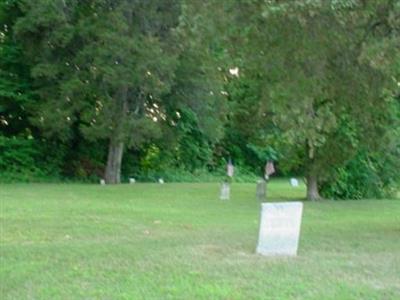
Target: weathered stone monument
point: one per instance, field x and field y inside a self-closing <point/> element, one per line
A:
<point x="102" y="182"/>
<point x="132" y="180"/>
<point x="225" y="191"/>
<point x="261" y="192"/>
<point x="225" y="186"/>
<point x="279" y="228"/>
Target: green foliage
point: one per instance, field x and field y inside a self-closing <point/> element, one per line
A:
<point x="17" y="159"/>
<point x="365" y="176"/>
<point x="84" y="160"/>
<point x="317" y="102"/>
<point x="372" y="172"/>
<point x="16" y="95"/>
<point x="157" y="163"/>
<point x="29" y="160"/>
<point x="100" y="64"/>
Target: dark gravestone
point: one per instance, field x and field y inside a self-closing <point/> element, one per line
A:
<point x="261" y="192"/>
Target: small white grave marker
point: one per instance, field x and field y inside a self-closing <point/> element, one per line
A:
<point x="294" y="182"/>
<point x="280" y="228"/>
<point x="234" y="71"/>
<point x="161" y="181"/>
<point x="102" y="182"/>
<point x="132" y="180"/>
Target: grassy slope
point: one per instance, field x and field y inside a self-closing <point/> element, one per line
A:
<point x="178" y="241"/>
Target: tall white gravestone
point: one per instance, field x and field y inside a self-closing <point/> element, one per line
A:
<point x="280" y="228"/>
<point x="225" y="186"/>
<point x="225" y="191"/>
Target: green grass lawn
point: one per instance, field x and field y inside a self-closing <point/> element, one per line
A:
<point x="179" y="241"/>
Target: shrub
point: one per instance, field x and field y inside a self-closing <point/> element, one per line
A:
<point x="366" y="176"/>
<point x="28" y="160"/>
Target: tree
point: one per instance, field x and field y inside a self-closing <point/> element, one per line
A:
<point x="103" y="64"/>
<point x="119" y="70"/>
<point x="318" y="87"/>
<point x="16" y="95"/>
<point x="196" y="107"/>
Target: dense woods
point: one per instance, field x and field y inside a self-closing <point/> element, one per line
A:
<point x="174" y="88"/>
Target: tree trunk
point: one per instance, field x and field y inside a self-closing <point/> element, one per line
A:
<point x="312" y="188"/>
<point x="113" y="168"/>
<point x="116" y="146"/>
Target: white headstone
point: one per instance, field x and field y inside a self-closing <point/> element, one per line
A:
<point x="102" y="182"/>
<point x="225" y="191"/>
<point x="132" y="180"/>
<point x="161" y="181"/>
<point x="280" y="228"/>
<point x="294" y="182"/>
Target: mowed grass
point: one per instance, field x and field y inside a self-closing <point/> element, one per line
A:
<point x="179" y="241"/>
